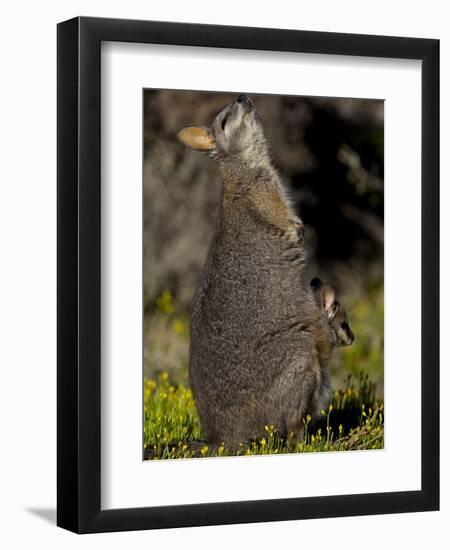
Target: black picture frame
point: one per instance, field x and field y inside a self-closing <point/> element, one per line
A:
<point x="79" y="276"/>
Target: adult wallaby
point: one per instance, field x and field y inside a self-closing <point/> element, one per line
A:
<point x="340" y="333"/>
<point x="254" y="357"/>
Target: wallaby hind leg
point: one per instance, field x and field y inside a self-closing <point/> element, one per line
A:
<point x="295" y="427"/>
<point x="304" y="405"/>
<point x="236" y="426"/>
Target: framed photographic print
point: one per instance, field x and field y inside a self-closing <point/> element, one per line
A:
<point x="248" y="258"/>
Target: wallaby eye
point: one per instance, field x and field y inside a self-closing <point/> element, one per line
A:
<point x="224" y="121"/>
<point x="345" y="326"/>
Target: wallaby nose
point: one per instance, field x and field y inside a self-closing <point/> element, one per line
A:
<point x="242" y="98"/>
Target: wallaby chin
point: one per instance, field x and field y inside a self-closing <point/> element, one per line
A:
<point x="259" y="341"/>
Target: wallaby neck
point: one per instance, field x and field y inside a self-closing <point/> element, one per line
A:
<point x="238" y="178"/>
<point x="259" y="192"/>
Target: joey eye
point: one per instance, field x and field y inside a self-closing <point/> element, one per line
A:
<point x="224" y="121"/>
<point x="345" y="326"/>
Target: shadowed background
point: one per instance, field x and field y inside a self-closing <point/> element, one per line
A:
<point x="330" y="153"/>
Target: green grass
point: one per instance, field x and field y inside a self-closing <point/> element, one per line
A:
<point x="353" y="421"/>
<point x="367" y="351"/>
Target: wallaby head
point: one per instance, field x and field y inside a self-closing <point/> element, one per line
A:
<point x="337" y="316"/>
<point x="236" y="134"/>
<point x="236" y="141"/>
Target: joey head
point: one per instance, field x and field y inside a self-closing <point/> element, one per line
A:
<point x="337" y="316"/>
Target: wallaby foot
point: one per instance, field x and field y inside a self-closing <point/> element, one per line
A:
<point x="297" y="233"/>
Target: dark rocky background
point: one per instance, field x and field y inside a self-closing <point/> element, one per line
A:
<point x="330" y="153"/>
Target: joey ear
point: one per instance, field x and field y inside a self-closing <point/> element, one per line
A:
<point x="198" y="138"/>
<point x="327" y="298"/>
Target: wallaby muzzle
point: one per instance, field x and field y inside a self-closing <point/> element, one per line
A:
<point x="245" y="102"/>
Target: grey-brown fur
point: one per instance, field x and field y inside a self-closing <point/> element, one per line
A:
<point x="257" y="335"/>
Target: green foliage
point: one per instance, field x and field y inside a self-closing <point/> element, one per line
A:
<point x="353" y="421"/>
<point x="166" y="337"/>
<point x="367" y="351"/>
<point x="169" y="416"/>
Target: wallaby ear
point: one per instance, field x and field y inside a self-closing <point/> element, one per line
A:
<point x="198" y="138"/>
<point x="327" y="298"/>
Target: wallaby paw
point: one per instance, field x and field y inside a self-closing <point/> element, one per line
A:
<point x="296" y="232"/>
<point x="301" y="233"/>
